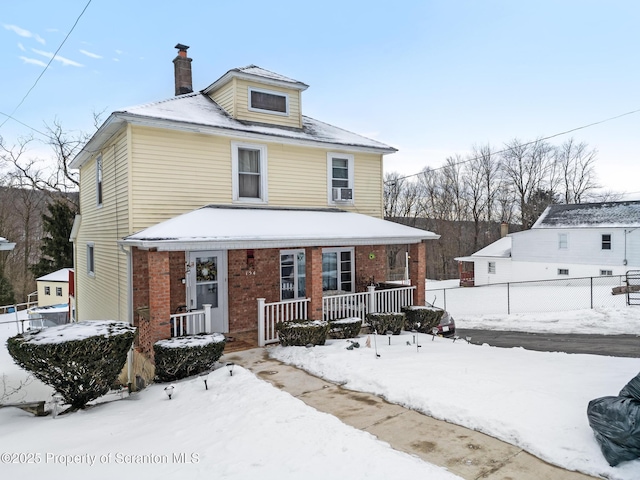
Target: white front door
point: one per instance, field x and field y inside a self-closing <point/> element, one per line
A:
<point x="207" y="284"/>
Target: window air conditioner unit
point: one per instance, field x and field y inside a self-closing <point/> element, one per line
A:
<point x="342" y="194"/>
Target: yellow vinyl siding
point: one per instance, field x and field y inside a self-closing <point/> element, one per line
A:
<point x="52" y="298"/>
<point x="242" y="111"/>
<point x="368" y="184"/>
<point x="225" y="97"/>
<point x="104" y="296"/>
<point x="176" y="172"/>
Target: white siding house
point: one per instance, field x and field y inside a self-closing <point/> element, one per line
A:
<point x="567" y="241"/>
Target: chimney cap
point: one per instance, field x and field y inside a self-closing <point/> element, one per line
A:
<point x="182" y="47"/>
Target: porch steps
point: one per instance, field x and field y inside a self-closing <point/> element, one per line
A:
<point x="240" y="341"/>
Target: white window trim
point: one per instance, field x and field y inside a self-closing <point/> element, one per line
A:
<point x="606" y="273"/>
<point x="91" y="247"/>
<point x="47" y="290"/>
<point x="610" y="249"/>
<point x="350" y="166"/>
<point x="58" y="289"/>
<point x="491" y="268"/>
<point x="563" y="271"/>
<point x="99" y="181"/>
<point x="271" y="92"/>
<point x="263" y="173"/>
<point x="566" y="238"/>
<point x="338" y="250"/>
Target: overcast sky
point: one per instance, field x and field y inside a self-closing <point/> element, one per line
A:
<point x="431" y="78"/>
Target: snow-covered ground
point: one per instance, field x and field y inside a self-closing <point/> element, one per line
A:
<point x="244" y="428"/>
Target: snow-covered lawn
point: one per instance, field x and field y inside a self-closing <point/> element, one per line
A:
<point x="244" y="428"/>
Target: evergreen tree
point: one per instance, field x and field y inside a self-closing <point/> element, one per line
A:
<point x="6" y="292"/>
<point x="56" y="250"/>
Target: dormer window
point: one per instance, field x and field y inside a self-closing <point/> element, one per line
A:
<point x="268" y="101"/>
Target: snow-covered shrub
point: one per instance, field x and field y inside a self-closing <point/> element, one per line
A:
<point x="302" y="332"/>
<point x="81" y="360"/>
<point x="345" y="327"/>
<point x="421" y="318"/>
<point x="385" y="322"/>
<point x="181" y="357"/>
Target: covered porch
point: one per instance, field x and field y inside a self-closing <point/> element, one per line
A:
<point x="239" y="271"/>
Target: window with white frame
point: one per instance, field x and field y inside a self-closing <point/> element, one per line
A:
<point x="563" y="271"/>
<point x="491" y="267"/>
<point x="47" y="290"/>
<point x="606" y="241"/>
<point x="292" y="274"/>
<point x="606" y="273"/>
<point x="340" y="172"/>
<point x="563" y="241"/>
<point x="99" y="181"/>
<point x="91" y="268"/>
<point x="249" y="170"/>
<point x="58" y="291"/>
<point x="337" y="270"/>
<point x="268" y="101"/>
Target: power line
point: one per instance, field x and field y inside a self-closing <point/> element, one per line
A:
<point x="520" y="145"/>
<point x="22" y="123"/>
<point x="46" y="67"/>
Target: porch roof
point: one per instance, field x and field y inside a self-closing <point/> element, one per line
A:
<point x="217" y="227"/>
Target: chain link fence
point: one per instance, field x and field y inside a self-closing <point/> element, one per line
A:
<point x="531" y="297"/>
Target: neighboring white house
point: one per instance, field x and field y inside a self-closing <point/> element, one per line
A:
<point x="53" y="289"/>
<point x="578" y="240"/>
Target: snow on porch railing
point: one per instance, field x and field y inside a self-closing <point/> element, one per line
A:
<point x="191" y="323"/>
<point x="269" y="314"/>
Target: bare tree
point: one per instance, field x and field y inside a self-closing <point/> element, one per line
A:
<point x="576" y="163"/>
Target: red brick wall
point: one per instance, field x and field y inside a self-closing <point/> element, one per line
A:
<point x="158" y="326"/>
<point x="418" y="271"/>
<point x="177" y="267"/>
<point x="313" y="270"/>
<point x="369" y="269"/>
<point x="248" y="282"/>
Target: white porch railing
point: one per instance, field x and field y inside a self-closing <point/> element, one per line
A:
<point x="191" y="323"/>
<point x="333" y="308"/>
<point x="269" y="314"/>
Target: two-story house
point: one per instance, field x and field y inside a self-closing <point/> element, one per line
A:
<point x="567" y="241"/>
<point x="228" y="210"/>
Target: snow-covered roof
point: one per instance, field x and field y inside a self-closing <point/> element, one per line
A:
<point x="197" y="112"/>
<point x="591" y="215"/>
<point x="61" y="275"/>
<point x="499" y="249"/>
<point x="235" y="227"/>
<point x="253" y="72"/>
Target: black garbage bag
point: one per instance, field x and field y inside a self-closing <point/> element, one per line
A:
<point x="616" y="423"/>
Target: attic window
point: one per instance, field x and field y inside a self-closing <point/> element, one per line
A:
<point x="268" y="101"/>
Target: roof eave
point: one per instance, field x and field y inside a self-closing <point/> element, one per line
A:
<point x="107" y="130"/>
<point x="153" y="122"/>
<point x="257" y="243"/>
<point x="231" y="74"/>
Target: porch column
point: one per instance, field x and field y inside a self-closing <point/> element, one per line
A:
<point x="314" y="281"/>
<point x="159" y="297"/>
<point x="418" y="271"/>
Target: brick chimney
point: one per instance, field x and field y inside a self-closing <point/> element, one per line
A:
<point x="182" y="65"/>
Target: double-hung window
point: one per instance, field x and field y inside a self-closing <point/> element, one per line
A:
<point x="58" y="291"/>
<point x="47" y="290"/>
<point x="491" y="267"/>
<point x="337" y="270"/>
<point x="249" y="170"/>
<point x="563" y="241"/>
<point x="292" y="274"/>
<point x="606" y="241"/>
<point x="563" y="271"/>
<point x="340" y="178"/>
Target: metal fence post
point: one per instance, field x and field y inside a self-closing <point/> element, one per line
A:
<point x="591" y="282"/>
<point x="508" y="300"/>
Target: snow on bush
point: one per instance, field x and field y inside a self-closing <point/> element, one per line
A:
<point x="181" y="357"/>
<point x="302" y="332"/>
<point x="345" y="327"/>
<point x="421" y="318"/>
<point x="81" y="360"/>
<point x="386" y="322"/>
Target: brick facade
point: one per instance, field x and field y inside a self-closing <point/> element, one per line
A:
<point x="371" y="265"/>
<point x="418" y="271"/>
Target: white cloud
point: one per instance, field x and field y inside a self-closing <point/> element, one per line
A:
<point x="116" y="59"/>
<point x="57" y="58"/>
<point x="33" y="61"/>
<point x="21" y="47"/>
<point x="119" y="52"/>
<point x="89" y="54"/>
<point x="24" y="33"/>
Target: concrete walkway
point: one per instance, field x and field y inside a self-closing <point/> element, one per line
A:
<point x="467" y="453"/>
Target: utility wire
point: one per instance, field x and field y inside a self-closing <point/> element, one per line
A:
<point x="519" y="145"/>
<point x="45" y="68"/>
<point x="22" y="123"/>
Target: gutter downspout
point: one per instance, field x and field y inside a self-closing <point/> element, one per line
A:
<point x="127" y="252"/>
